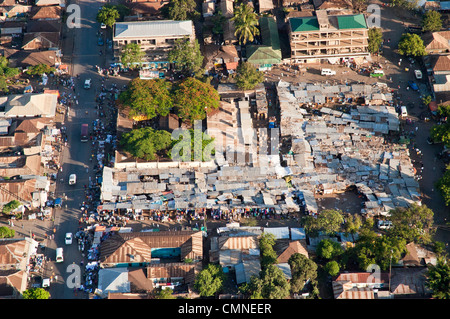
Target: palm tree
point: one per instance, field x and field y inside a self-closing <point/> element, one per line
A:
<point x="245" y="23"/>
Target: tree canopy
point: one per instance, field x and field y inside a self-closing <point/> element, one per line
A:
<point x="438" y="279"/>
<point x="186" y="56"/>
<point x="108" y="15"/>
<point x="411" y="44"/>
<point x="328" y="221"/>
<point x="371" y="249"/>
<point x="10" y="206"/>
<point x="132" y="55"/>
<point x="193" y="99"/>
<point x="6" y="232"/>
<point x="40" y="69"/>
<point x="209" y="281"/>
<point x="329" y="249"/>
<point x="375" y="40"/>
<point x="160" y="293"/>
<point x="443" y="185"/>
<point x="441" y="133"/>
<point x="36" y="293"/>
<point x="184" y="148"/>
<point x="146" y="143"/>
<point x="303" y="269"/>
<point x="248" y="77"/>
<point x="149" y="98"/>
<point x="245" y="23"/>
<point x="431" y="21"/>
<point x="268" y="254"/>
<point x="414" y="223"/>
<point x="6" y="73"/>
<point x="180" y="10"/>
<point x="272" y="284"/>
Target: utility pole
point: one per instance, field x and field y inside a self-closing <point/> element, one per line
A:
<point x="390" y="267"/>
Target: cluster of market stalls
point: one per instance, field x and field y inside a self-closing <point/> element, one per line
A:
<point x="333" y="150"/>
<point x="228" y="192"/>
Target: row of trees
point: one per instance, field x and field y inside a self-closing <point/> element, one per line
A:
<point x="191" y="99"/>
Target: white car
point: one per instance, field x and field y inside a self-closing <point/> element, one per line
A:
<point x="102" y="26"/>
<point x="68" y="238"/>
<point x="418" y="74"/>
<point x="87" y="84"/>
<point x="72" y="179"/>
<point x="46" y="283"/>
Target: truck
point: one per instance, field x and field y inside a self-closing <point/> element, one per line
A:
<point x="84" y="132"/>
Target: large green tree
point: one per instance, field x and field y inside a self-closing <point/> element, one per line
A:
<point x="411" y="44"/>
<point x="209" y="281"/>
<point x="371" y="249"/>
<point x="438" y="279"/>
<point x="10" y="206"/>
<point x="329" y="249"/>
<point x="40" y="69"/>
<point x="146" y="143"/>
<point x="194" y="99"/>
<point x="163" y="293"/>
<point x="268" y="254"/>
<point x="6" y="73"/>
<point x="328" y="221"/>
<point x="375" y="40"/>
<point x="180" y="10"/>
<point x="6" y="232"/>
<point x="303" y="270"/>
<point x="108" y="15"/>
<point x="248" y="77"/>
<point x="441" y="133"/>
<point x="443" y="185"/>
<point x="186" y="56"/>
<point x="414" y="223"/>
<point x="36" y="293"/>
<point x="272" y="284"/>
<point x="148" y="97"/>
<point x="184" y="148"/>
<point x="431" y="21"/>
<point x="245" y="23"/>
<point x="132" y="55"/>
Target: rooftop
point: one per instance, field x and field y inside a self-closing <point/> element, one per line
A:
<point x="153" y="28"/>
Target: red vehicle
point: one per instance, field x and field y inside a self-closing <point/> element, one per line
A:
<point x="84" y="132"/>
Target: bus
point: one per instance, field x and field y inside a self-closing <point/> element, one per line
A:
<point x="84" y="132"/>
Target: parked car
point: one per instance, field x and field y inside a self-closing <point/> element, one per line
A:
<point x="418" y="74"/>
<point x="413" y="85"/>
<point x="103" y="26"/>
<point x="100" y="41"/>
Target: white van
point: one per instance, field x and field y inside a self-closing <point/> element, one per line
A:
<point x="59" y="255"/>
<point x="72" y="179"/>
<point x="404" y="112"/>
<point x="327" y="72"/>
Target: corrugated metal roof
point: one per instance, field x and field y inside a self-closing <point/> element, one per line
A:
<point x="153" y="28"/>
<point x="304" y="24"/>
<point x="352" y="22"/>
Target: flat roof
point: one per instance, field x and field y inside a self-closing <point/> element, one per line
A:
<point x="153" y="28"/>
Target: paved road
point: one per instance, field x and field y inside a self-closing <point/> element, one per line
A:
<point x="84" y="54"/>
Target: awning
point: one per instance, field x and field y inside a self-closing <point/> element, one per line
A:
<point x="231" y="65"/>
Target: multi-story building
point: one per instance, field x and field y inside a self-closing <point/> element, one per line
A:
<point x="328" y="37"/>
<point x="155" y="38"/>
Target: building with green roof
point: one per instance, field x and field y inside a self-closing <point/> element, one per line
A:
<point x="328" y="37"/>
<point x="267" y="54"/>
